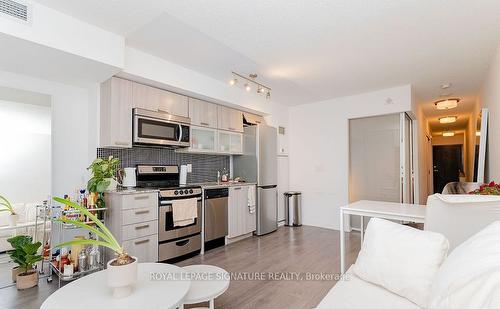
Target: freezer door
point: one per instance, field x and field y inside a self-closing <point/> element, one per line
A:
<point x="268" y="158"/>
<point x="267" y="209"/>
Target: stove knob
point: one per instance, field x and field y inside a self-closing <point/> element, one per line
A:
<point x="191" y="191"/>
<point x="186" y="191"/>
<point x="181" y="192"/>
<point x="176" y="192"/>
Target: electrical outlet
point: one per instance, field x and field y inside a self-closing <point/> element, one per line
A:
<point x="189" y="168"/>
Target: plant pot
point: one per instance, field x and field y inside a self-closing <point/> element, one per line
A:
<point x="121" y="279"/>
<point x="113" y="184"/>
<point x="26" y="281"/>
<point x="13" y="218"/>
<point x="15" y="271"/>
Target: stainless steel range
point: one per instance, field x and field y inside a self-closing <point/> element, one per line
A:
<point x="174" y="242"/>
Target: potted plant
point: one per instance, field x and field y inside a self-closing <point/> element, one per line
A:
<point x="491" y="188"/>
<point x="122" y="270"/>
<point x="103" y="174"/>
<point x="25" y="255"/>
<point x="5" y="205"/>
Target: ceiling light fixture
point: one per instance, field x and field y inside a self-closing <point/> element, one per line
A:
<point x="250" y="82"/>
<point x="447" y="104"/>
<point x="446" y="86"/>
<point x="448" y="134"/>
<point x="448" y="119"/>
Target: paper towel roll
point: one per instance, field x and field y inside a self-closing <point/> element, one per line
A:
<point x="183" y="175"/>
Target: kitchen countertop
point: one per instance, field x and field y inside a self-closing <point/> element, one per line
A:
<point x="203" y="185"/>
<point x="214" y="185"/>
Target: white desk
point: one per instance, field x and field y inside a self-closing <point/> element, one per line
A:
<point x="92" y="291"/>
<point x="385" y="210"/>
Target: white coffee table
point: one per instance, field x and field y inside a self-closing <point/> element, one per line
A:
<point x="207" y="283"/>
<point x="385" y="210"/>
<point x="92" y="292"/>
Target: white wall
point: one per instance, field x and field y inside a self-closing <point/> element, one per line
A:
<point x="319" y="146"/>
<point x="490" y="98"/>
<point x="74" y="123"/>
<point x="63" y="32"/>
<point x="25" y="164"/>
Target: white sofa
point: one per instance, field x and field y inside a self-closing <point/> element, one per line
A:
<point x="27" y="213"/>
<point x="457" y="217"/>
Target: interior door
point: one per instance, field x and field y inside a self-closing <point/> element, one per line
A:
<point x="447" y="165"/>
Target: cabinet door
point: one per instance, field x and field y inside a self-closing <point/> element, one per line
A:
<point x="224" y="142"/>
<point x="145" y="97"/>
<point x="233" y="213"/>
<point x="144" y="248"/>
<point x="172" y="103"/>
<point x="203" y="139"/>
<point x="116" y="113"/>
<point x="230" y="119"/>
<point x="203" y="113"/>
<point x="236" y="143"/>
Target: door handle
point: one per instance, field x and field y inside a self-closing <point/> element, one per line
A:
<point x="141" y="212"/>
<point x="141" y="242"/>
<point x="180" y="133"/>
<point x="237" y="188"/>
<point x="204" y="123"/>
<point x="121" y="143"/>
<point x="143" y="197"/>
<point x="140" y="227"/>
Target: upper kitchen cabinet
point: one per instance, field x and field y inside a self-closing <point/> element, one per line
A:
<point x="203" y="113"/>
<point x="230" y="119"/>
<point x="155" y="99"/>
<point x="116" y="113"/>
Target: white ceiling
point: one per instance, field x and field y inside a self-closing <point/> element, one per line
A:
<point x="313" y="50"/>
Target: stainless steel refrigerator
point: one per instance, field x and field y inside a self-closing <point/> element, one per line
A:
<point x="259" y="164"/>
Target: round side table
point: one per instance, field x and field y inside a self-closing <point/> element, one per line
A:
<point x="207" y="283"/>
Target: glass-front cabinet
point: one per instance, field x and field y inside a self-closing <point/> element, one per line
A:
<point x="224" y="142"/>
<point x="203" y="139"/>
<point x="236" y="146"/>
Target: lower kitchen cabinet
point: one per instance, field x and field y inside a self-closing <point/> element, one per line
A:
<point x="133" y="220"/>
<point x="241" y="216"/>
<point x="145" y="249"/>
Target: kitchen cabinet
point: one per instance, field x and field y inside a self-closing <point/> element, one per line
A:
<point x="203" y="113"/>
<point x="230" y="119"/>
<point x="241" y="216"/>
<point x="203" y="139"/>
<point x="133" y="220"/>
<point x="116" y="113"/>
<point x="155" y="99"/>
<point x="230" y="142"/>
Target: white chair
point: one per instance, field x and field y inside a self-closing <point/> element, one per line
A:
<point x="460" y="216"/>
<point x="207" y="283"/>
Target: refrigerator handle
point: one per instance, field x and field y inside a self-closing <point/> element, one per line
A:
<point x="268" y="187"/>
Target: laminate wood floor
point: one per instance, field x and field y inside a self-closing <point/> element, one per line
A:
<point x="303" y="250"/>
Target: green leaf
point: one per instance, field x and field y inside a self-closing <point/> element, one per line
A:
<point x="88" y="228"/>
<point x="102" y="186"/>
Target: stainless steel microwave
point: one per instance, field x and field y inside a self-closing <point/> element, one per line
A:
<point x="160" y="129"/>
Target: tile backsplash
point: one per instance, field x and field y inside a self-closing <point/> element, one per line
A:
<point x="205" y="166"/>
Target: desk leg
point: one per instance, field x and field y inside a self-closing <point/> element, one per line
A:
<point x="342" y="245"/>
<point x="361" y="219"/>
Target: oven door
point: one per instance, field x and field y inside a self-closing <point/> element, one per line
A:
<point x="166" y="229"/>
<point x="153" y="131"/>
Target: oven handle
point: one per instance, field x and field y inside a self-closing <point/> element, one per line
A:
<point x="169" y="203"/>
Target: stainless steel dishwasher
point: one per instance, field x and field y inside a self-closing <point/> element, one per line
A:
<point x="216" y="202"/>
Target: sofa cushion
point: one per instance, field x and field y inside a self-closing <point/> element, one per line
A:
<point x="402" y="259"/>
<point x="470" y="276"/>
<point x="355" y="293"/>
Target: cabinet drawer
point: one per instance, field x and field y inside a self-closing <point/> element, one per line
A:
<point x="138" y="230"/>
<point x="144" y="248"/>
<point x="139" y="200"/>
<point x="139" y="215"/>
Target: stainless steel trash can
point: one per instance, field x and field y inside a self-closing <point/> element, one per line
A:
<point x="293" y="211"/>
